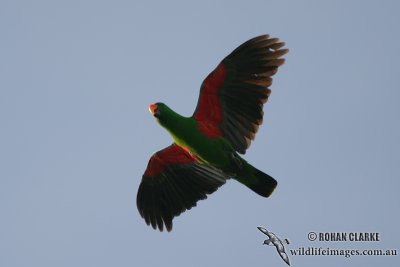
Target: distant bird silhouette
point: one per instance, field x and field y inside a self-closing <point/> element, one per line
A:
<point x="273" y="240"/>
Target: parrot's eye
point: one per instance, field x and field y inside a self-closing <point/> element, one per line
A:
<point x="156" y="113"/>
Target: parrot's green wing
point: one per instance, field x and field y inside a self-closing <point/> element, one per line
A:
<point x="231" y="98"/>
<point x="173" y="182"/>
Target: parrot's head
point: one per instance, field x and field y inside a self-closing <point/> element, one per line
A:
<point x="163" y="114"/>
<point x="160" y="111"/>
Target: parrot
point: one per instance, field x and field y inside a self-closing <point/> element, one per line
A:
<point x="205" y="150"/>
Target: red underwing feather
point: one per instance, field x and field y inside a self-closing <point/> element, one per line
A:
<point x="209" y="110"/>
<point x="172" y="155"/>
<point x="209" y="129"/>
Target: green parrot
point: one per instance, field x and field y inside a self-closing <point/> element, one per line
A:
<point x="205" y="150"/>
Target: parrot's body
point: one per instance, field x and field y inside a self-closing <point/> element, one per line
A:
<point x="205" y="149"/>
<point x="187" y="134"/>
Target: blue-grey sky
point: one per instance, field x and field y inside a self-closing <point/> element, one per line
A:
<point x="76" y="78"/>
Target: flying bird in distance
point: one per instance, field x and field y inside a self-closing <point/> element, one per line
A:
<point x="206" y="146"/>
<point x="273" y="240"/>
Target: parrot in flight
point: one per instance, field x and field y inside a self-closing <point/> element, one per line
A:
<point x="206" y="146"/>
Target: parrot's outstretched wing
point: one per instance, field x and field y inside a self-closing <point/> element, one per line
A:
<point x="232" y="96"/>
<point x="173" y="182"/>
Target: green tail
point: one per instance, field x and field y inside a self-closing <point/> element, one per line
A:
<point x="256" y="180"/>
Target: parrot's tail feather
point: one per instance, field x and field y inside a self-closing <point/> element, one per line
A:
<point x="256" y="180"/>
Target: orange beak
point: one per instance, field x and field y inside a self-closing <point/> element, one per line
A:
<point x="153" y="109"/>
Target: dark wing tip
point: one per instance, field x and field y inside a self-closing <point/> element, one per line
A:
<point x="250" y="68"/>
